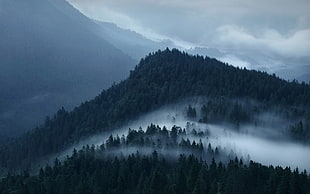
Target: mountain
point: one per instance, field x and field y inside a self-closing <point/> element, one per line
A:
<point x="51" y="56"/>
<point x="162" y="78"/>
<point x="130" y="42"/>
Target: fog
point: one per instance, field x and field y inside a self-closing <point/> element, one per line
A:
<point x="263" y="150"/>
<point x="265" y="145"/>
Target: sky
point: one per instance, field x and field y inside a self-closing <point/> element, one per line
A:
<point x="274" y="33"/>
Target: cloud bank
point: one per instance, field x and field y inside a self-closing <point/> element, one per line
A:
<point x="294" y="45"/>
<point x="266" y="145"/>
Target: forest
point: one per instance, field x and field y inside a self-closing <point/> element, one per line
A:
<point x="239" y="112"/>
<point x="161" y="78"/>
<point x="111" y="168"/>
<point x="86" y="171"/>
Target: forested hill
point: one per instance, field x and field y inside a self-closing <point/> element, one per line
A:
<point x="182" y="75"/>
<point x="161" y="78"/>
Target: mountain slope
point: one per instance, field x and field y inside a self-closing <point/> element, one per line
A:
<point x="51" y="56"/>
<point x="161" y="78"/>
<point x="130" y="42"/>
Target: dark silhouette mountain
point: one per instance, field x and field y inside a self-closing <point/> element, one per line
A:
<point x="159" y="79"/>
<point x="51" y="56"/>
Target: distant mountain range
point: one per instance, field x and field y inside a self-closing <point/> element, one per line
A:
<point x="51" y="56"/>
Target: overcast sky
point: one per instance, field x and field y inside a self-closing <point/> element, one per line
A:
<point x="278" y="28"/>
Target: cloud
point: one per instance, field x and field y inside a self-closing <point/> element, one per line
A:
<point x="294" y="45"/>
<point x="257" y="141"/>
<point x="241" y="23"/>
<point x="233" y="60"/>
<point x="272" y="34"/>
<point x="104" y="11"/>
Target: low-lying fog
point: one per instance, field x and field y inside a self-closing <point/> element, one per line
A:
<point x="258" y="143"/>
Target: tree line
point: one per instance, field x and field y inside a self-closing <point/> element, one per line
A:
<point x="84" y="172"/>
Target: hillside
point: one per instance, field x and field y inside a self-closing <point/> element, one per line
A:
<point x="51" y="56"/>
<point x="159" y="79"/>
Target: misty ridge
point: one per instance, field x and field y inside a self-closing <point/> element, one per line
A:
<point x="175" y="134"/>
<point x="266" y="139"/>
